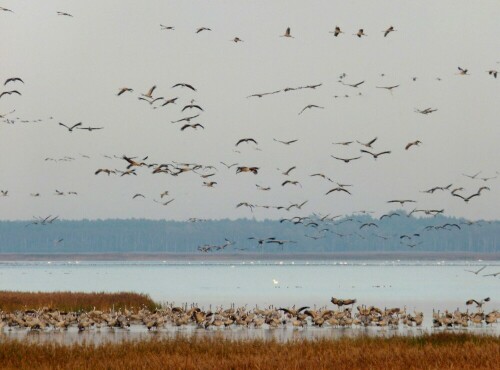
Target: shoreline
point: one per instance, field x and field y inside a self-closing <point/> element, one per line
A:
<point x="141" y="256"/>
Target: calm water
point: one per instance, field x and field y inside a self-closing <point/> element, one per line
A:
<point x="420" y="285"/>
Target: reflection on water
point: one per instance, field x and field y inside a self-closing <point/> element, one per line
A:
<point x="103" y="335"/>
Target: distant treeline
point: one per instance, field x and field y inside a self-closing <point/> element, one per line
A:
<point x="339" y="235"/>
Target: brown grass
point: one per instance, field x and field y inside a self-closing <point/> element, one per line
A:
<point x="73" y="301"/>
<point x="436" y="351"/>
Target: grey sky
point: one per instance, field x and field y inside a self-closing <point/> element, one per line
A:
<point x="73" y="68"/>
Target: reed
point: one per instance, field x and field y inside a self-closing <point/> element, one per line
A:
<point x="433" y="351"/>
<point x="73" y="301"/>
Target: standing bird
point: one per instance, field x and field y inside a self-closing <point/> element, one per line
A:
<point x="287" y="33"/>
<point x="388" y="31"/>
<point x="337" y="31"/>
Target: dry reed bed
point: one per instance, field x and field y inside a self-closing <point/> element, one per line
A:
<point x="73" y="301"/>
<point x="432" y="351"/>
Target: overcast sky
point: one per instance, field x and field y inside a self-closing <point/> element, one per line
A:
<point x="74" y="66"/>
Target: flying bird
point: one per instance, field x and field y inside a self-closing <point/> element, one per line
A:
<point x="360" y="33"/>
<point x="462" y="71"/>
<point x="309" y="107"/>
<point x="425" y="111"/>
<point x="368" y="144"/>
<point x="352" y="85"/>
<point x="65" y="14"/>
<point x="375" y="155"/>
<point x="195" y="126"/>
<point x="389" y="30"/>
<point x="246" y="140"/>
<point x="389" y="88"/>
<point x="138" y="195"/>
<point x="167" y="27"/>
<point x="164" y="203"/>
<point x="254" y="170"/>
<point x="346" y="160"/>
<point x="6" y="10"/>
<point x="409" y="145"/>
<point x="287" y="33"/>
<point x="124" y="89"/>
<point x="229" y="166"/>
<point x="149" y="94"/>
<point x="12" y="79"/>
<point x="184" y="85"/>
<point x="286" y="142"/>
<point x="70" y="129"/>
<point x="191" y="106"/>
<point x="203" y="29"/>
<point x="236" y="40"/>
<point x="10" y="93"/>
<point x="338" y="189"/>
<point x="337" y="31"/>
<point x="493" y="73"/>
<point x="401" y="201"/>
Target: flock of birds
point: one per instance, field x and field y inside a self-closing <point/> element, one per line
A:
<point x="190" y="118"/>
<point x="171" y="316"/>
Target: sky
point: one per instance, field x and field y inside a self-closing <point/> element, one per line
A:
<point x="73" y="68"/>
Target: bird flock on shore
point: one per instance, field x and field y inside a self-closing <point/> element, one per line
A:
<point x="172" y="316"/>
<point x="180" y="100"/>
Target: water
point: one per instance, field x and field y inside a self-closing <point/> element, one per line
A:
<point x="418" y="285"/>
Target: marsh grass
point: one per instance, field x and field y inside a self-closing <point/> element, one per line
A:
<point x="73" y="301"/>
<point x="431" y="351"/>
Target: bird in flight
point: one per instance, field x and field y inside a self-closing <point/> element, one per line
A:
<point x="229" y="166"/>
<point x="203" y="29"/>
<point x="338" y="189"/>
<point x="187" y="119"/>
<point x="167" y="27"/>
<point x="64" y="14"/>
<point x="286" y="142"/>
<point x="191" y="106"/>
<point x="246" y="140"/>
<point x="466" y="199"/>
<point x="291" y="183"/>
<point x="401" y="201"/>
<point x="389" y="88"/>
<point x="12" y="79"/>
<point x="236" y="40"/>
<point x="409" y="145"/>
<point x="493" y="73"/>
<point x="10" y="93"/>
<point x="287" y="172"/>
<point x="165" y="203"/>
<point x="184" y="85"/>
<point x="360" y="33"/>
<point x="287" y="33"/>
<point x="425" y="111"/>
<point x="472" y="176"/>
<point x="346" y="160"/>
<point x="6" y="10"/>
<point x="368" y="144"/>
<point x="253" y="170"/>
<point x="345" y="143"/>
<point x="104" y="170"/>
<point x="149" y="94"/>
<point x="309" y="107"/>
<point x="90" y="128"/>
<point x="462" y="71"/>
<point x="375" y="155"/>
<point x="352" y="85"/>
<point x="337" y="31"/>
<point x="124" y="89"/>
<point x="70" y="129"/>
<point x="138" y="195"/>
<point x="195" y="126"/>
<point x="388" y="31"/>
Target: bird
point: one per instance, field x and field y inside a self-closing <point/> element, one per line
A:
<point x="246" y="140"/>
<point x="198" y="30"/>
<point x="152" y="101"/>
<point x="368" y="224"/>
<point x="169" y="101"/>
<point x="64" y="14"/>
<point x="462" y="71"/>
<point x="495" y="274"/>
<point x="236" y="40"/>
<point x="472" y="176"/>
<point x="346" y="160"/>
<point x="345" y="143"/>
<point x="466" y="199"/>
<point x="149" y="94"/>
<point x="425" y="111"/>
<point x="389" y="30"/>
<point x="104" y="170"/>
<point x="89" y="128"/>
<point x="70" y="129"/>
<point x="360" y="33"/>
<point x="352" y="85"/>
<point x="10" y="93"/>
<point x="389" y="88"/>
<point x="185" y="85"/>
<point x="4" y="193"/>
<point x="401" y="201"/>
<point x="229" y="166"/>
<point x="263" y="188"/>
<point x="368" y="144"/>
<point x="167" y="27"/>
<point x="409" y="145"/>
<point x="138" y="195"/>
<point x="375" y="155"/>
<point x="493" y="73"/>
<point x="209" y="184"/>
<point x="191" y="106"/>
<point x="309" y="107"/>
<point x="338" y="189"/>
<point x="337" y="31"/>
<point x="478" y="304"/>
<point x="287" y="172"/>
<point x="196" y="125"/>
<point x="187" y="119"/>
<point x="124" y="89"/>
<point x="254" y="170"/>
<point x="287" y="33"/>
<point x="165" y="203"/>
<point x="290" y="182"/>
<point x="286" y="142"/>
<point x="12" y="79"/>
<point x="6" y="10"/>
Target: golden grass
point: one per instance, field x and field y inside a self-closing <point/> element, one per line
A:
<point x="436" y="351"/>
<point x="73" y="301"/>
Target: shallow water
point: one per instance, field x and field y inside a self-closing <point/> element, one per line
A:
<point x="418" y="285"/>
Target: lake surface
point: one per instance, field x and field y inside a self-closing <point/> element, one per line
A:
<point x="418" y="285"/>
